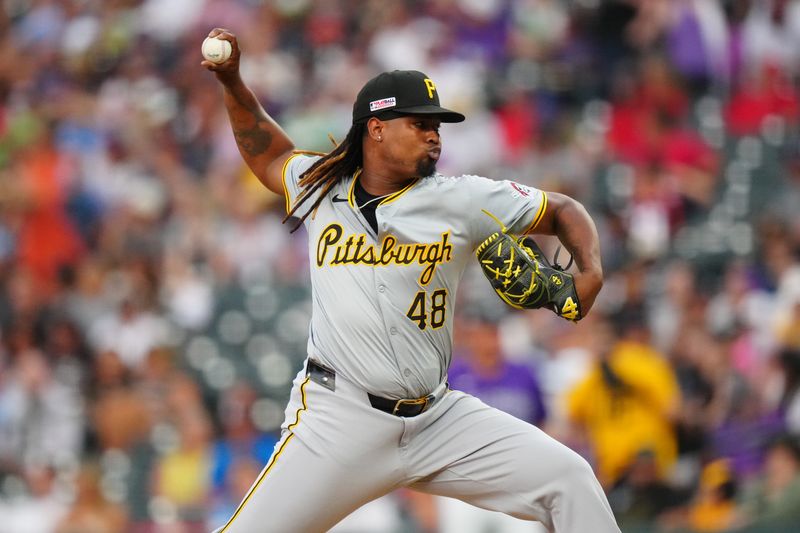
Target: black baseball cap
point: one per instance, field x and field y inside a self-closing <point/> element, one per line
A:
<point x="400" y="92"/>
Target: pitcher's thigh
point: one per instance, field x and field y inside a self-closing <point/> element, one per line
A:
<point x="495" y="461"/>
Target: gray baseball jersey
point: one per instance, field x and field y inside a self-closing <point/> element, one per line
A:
<point x="383" y="303"/>
<point x="382" y="324"/>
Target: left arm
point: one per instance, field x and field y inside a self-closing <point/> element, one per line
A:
<point x="568" y="220"/>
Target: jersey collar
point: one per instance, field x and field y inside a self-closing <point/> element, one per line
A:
<point x="351" y="198"/>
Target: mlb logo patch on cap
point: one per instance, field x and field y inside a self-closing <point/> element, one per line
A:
<point x="390" y="95"/>
<point x="383" y="103"/>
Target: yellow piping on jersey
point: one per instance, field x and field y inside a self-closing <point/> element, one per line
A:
<point x="351" y="198"/>
<point x="283" y="180"/>
<point x="398" y="194"/>
<point x="274" y="457"/>
<point x="539" y="215"/>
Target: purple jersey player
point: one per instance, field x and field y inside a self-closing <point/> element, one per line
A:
<point x="485" y="373"/>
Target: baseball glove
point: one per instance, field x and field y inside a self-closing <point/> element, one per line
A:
<point x="523" y="278"/>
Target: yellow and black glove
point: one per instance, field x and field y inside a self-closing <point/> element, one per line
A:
<point x="523" y="278"/>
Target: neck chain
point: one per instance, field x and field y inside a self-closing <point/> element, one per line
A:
<point x="365" y="204"/>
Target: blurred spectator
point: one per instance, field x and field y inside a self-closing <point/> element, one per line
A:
<point x="762" y="93"/>
<point x="69" y="355"/>
<point x="240" y="441"/>
<point x="155" y="382"/>
<point x="789" y="359"/>
<point x="182" y="477"/>
<point x="187" y="292"/>
<point x="740" y="303"/>
<point x="771" y="33"/>
<point x="24" y="310"/>
<point x="642" y="495"/>
<point x="42" y="176"/>
<point x="627" y="403"/>
<point x="87" y="293"/>
<point x="120" y="418"/>
<point x="41" y="419"/>
<point x="773" y="504"/>
<point x="249" y="237"/>
<point x="671" y="304"/>
<point x="714" y="506"/>
<point x="641" y="106"/>
<point x="39" y="508"/>
<point x="743" y="435"/>
<point x="230" y="490"/>
<point x="484" y="371"/>
<point x="131" y="332"/>
<point x="696" y="40"/>
<point x="783" y="265"/>
<point x="91" y="512"/>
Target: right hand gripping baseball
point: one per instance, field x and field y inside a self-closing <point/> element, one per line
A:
<point x="229" y="68"/>
<point x="523" y="278"/>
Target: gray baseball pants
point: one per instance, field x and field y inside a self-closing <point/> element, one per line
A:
<point x="337" y="452"/>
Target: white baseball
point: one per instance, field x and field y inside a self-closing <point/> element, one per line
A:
<point x="216" y="50"/>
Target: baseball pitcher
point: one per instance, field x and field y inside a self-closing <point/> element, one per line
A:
<point x="388" y="239"/>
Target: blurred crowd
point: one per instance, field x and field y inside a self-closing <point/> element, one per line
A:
<point x="153" y="308"/>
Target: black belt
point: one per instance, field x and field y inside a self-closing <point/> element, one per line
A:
<point x="405" y="408"/>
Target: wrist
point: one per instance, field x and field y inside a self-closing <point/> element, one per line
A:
<point x="592" y="278"/>
<point x="231" y="81"/>
<point x="587" y="286"/>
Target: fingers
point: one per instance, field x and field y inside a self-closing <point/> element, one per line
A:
<point x="222" y="33"/>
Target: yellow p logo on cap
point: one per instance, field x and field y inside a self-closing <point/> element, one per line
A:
<point x="430" y="86"/>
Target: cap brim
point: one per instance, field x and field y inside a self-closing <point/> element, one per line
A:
<point x="445" y="115"/>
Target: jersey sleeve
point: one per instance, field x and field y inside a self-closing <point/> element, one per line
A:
<point x="293" y="168"/>
<point x="519" y="207"/>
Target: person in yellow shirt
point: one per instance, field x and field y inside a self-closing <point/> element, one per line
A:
<point x="183" y="476"/>
<point x="626" y="404"/>
<point x="714" y="508"/>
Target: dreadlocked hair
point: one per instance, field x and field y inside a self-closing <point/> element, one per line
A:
<point x="344" y="160"/>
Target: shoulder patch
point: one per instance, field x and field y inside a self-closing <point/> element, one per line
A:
<point x="519" y="189"/>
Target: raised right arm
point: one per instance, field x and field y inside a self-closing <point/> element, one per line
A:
<point x="261" y="141"/>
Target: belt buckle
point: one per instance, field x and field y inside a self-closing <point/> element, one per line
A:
<point x="416" y="401"/>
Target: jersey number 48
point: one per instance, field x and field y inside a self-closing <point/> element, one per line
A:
<point x="425" y="315"/>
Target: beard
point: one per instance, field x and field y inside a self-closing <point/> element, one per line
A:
<point x="426" y="167"/>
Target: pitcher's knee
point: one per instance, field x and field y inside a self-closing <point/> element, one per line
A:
<point x="575" y="476"/>
<point x="578" y="502"/>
